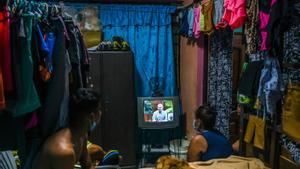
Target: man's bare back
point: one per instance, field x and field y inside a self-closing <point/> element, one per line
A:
<point x="67" y="146"/>
<point x="59" y="151"/>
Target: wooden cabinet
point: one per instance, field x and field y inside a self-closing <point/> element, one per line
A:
<point x="111" y="74"/>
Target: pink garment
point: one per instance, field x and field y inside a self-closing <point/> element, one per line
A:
<point x="234" y="14"/>
<point x="196" y="26"/>
<point x="264" y="21"/>
<point x="5" y="50"/>
<point x="228" y="10"/>
<point x="239" y="14"/>
<point x="33" y="121"/>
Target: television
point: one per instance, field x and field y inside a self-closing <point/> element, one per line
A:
<point x="158" y="112"/>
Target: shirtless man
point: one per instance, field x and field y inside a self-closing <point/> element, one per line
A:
<point x="66" y="147"/>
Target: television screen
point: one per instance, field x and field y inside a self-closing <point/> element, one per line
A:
<point x="158" y="112"/>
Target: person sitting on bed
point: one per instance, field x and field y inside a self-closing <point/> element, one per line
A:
<point x="208" y="143"/>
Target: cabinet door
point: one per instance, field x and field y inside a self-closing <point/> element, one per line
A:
<point x="118" y="122"/>
<point x="94" y="76"/>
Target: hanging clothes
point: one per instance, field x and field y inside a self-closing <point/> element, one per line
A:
<point x="206" y="15"/>
<point x="184" y="28"/>
<point x="191" y="21"/>
<point x="291" y="77"/>
<point x="251" y="27"/>
<point x="40" y="71"/>
<point x="291" y="53"/>
<point x="264" y="16"/>
<point x="85" y="61"/>
<point x="4" y="51"/>
<point x="196" y="27"/>
<point x="234" y="14"/>
<point x="27" y="97"/>
<point x="249" y="82"/>
<point x="50" y="41"/>
<point x="218" y="11"/>
<point x="54" y="110"/>
<point x="282" y="12"/>
<point x="75" y="55"/>
<point x="40" y="52"/>
<point x="220" y="70"/>
<point x="255" y="128"/>
<point x="270" y="86"/>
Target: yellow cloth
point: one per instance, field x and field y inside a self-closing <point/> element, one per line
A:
<point x="91" y="38"/>
<point x="232" y="162"/>
<point x="291" y="112"/>
<point x="255" y="126"/>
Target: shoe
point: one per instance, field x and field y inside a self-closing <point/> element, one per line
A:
<point x="117" y="45"/>
<point x="117" y="42"/>
<point x="125" y="46"/>
<point x="101" y="46"/>
<point x="109" y="45"/>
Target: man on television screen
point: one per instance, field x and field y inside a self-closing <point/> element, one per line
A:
<point x="160" y="115"/>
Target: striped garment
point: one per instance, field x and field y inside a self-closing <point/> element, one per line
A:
<point x="7" y="161"/>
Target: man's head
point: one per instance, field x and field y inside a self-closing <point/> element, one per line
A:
<point x="85" y="107"/>
<point x="204" y="118"/>
<point x="160" y="107"/>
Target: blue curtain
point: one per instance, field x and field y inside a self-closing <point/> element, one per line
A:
<point x="148" y="30"/>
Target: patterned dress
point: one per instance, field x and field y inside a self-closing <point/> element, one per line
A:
<point x="220" y="75"/>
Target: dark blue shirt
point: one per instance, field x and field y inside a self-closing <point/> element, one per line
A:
<point x="218" y="146"/>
